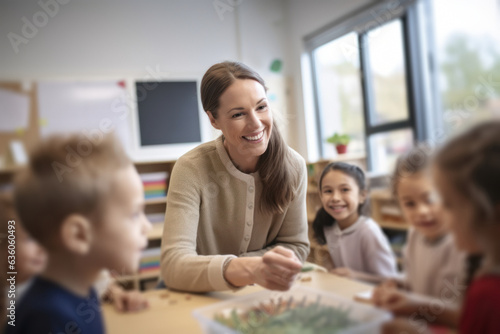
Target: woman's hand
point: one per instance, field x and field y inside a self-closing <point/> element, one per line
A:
<point x="278" y="269"/>
<point x="275" y="270"/>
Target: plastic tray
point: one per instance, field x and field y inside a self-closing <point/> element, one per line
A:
<point x="368" y="318"/>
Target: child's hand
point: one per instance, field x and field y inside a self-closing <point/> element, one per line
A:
<point x="396" y="301"/>
<point x="399" y="326"/>
<point x="127" y="301"/>
<point x="381" y="291"/>
<point x="388" y="284"/>
<point x="343" y="272"/>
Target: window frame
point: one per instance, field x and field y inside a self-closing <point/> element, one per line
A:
<point x="362" y="23"/>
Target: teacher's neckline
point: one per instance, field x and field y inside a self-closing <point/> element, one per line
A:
<point x="233" y="162"/>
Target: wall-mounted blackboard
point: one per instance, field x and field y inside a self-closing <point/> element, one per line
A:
<point x="168" y="112"/>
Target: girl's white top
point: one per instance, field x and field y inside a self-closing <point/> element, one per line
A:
<point x="361" y="247"/>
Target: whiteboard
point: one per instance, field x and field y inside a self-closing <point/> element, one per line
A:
<point x="86" y="107"/>
<point x="14" y="111"/>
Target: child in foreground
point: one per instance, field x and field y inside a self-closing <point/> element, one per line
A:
<point x="31" y="260"/>
<point x="84" y="204"/>
<point x="433" y="265"/>
<point x="467" y="175"/>
<point x="357" y="246"/>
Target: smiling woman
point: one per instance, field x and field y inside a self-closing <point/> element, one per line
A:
<point x="236" y="210"/>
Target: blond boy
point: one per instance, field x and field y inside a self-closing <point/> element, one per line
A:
<point x="84" y="203"/>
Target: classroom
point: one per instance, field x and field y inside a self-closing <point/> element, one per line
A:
<point x="250" y="166"/>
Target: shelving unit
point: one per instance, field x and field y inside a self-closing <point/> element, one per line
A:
<point x="386" y="211"/>
<point x="153" y="206"/>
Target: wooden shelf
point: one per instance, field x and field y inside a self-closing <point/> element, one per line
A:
<point x="156" y="232"/>
<point x="159" y="200"/>
<point x="313" y="191"/>
<point x="383" y="194"/>
<point x="393" y="226"/>
<point x="10" y="169"/>
<point x="139" y="276"/>
<point x="149" y="274"/>
<point x="153" y="162"/>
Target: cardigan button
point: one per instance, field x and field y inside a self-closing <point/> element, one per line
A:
<point x="249" y="223"/>
<point x="251" y="189"/>
<point x="247" y="238"/>
<point x="250" y="206"/>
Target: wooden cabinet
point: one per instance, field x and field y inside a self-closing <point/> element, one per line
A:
<point x="385" y="210"/>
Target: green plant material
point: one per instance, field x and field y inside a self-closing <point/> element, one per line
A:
<point x="305" y="269"/>
<point x="270" y="318"/>
<point x="339" y="139"/>
<point x="276" y="65"/>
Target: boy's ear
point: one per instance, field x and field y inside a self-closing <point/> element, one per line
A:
<point x="76" y="234"/>
<point x="213" y="121"/>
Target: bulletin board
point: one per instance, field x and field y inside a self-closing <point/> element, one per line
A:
<point x="86" y="107"/>
<point x="65" y="106"/>
<point x="28" y="135"/>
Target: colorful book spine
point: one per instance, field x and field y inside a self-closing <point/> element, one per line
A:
<point x="150" y="260"/>
<point x="155" y="184"/>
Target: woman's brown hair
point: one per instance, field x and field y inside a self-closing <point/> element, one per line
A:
<point x="471" y="162"/>
<point x="274" y="165"/>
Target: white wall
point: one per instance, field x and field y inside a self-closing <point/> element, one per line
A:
<point x="138" y="39"/>
<point x="179" y="38"/>
<point x="96" y="38"/>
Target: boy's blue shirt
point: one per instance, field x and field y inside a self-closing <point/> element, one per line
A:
<point x="48" y="308"/>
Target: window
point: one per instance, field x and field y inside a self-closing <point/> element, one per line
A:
<point x="467" y="49"/>
<point x="361" y="85"/>
<point x="385" y="147"/>
<point x="405" y="71"/>
<point x="387" y="65"/>
<point x="387" y="115"/>
<point x="339" y="94"/>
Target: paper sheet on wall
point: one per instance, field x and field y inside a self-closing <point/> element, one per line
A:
<point x="90" y="108"/>
<point x="14" y="111"/>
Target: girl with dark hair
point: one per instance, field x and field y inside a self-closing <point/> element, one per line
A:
<point x="236" y="210"/>
<point x="357" y="246"/>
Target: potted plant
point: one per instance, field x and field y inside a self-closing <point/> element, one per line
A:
<point x="340" y="141"/>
